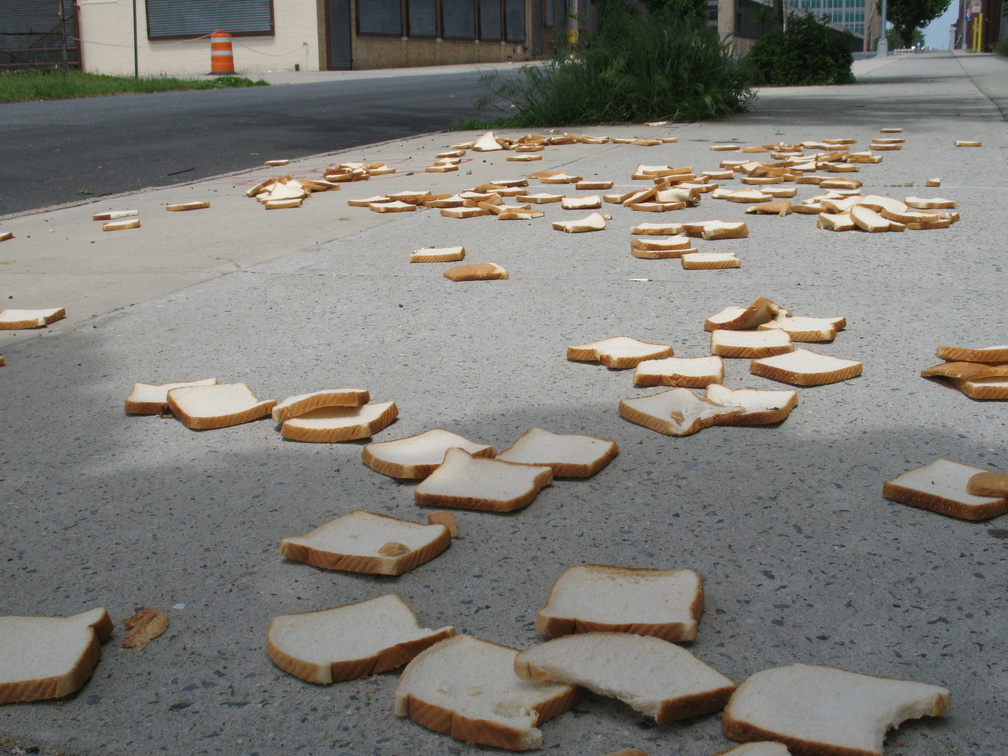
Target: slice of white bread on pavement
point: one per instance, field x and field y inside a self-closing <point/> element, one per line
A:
<point x="966" y="370"/>
<point x="761" y="407"/>
<point x="335" y="424"/>
<point x="750" y="344"/>
<point x="567" y="455"/>
<point x="984" y="389"/>
<point x="761" y="311"/>
<point x="758" y="748"/>
<point x="217" y="406"/>
<point x="686" y="372"/>
<point x="657" y="678"/>
<point x="294" y="406"/>
<point x="677" y="412"/>
<point x="710" y="261"/>
<point x="365" y="542"/>
<point x="619" y="352"/>
<point x="476" y="272"/>
<point x="49" y="657"/>
<point x="490" y="485"/>
<point x="824" y="711"/>
<point x="437" y="254"/>
<point x="467" y="688"/>
<point x="586" y="598"/>
<point x="418" y="456"/>
<point x="968" y="354"/>
<point x="350" y="641"/>
<point x="805" y="368"/>
<point x="805" y="329"/>
<point x="152" y="399"/>
<point x="16" y="320"/>
<point x="593" y="222"/>
<point x="943" y="487"/>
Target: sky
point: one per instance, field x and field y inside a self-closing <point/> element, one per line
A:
<point x="937" y="32"/>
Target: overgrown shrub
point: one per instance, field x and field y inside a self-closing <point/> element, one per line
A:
<point x="807" y="52"/>
<point x="662" y="67"/>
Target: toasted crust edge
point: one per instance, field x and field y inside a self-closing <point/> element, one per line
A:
<point x="941" y="505"/>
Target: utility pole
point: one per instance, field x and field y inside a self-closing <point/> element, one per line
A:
<point x="63" y="38"/>
<point x="883" y="40"/>
<point x="572" y="25"/>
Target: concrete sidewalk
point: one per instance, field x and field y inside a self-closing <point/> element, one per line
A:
<point x="802" y="558"/>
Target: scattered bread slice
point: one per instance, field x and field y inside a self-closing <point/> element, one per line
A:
<point x="988" y="483"/>
<point x="657" y="229"/>
<point x="152" y="399"/>
<point x="836" y="222"/>
<point x="761" y="311"/>
<point x="869" y="220"/>
<point x="16" y="320"/>
<point x="619" y="352"/>
<point x="968" y="143"/>
<point x="826" y="711"/>
<point x="371" y="543"/>
<point x="966" y="370"/>
<point x="295" y="406"/>
<point x="586" y="598"/>
<point x="593" y="222"/>
<point x="761" y="407"/>
<point x="350" y="641"/>
<point x="943" y="487"/>
<point x="568" y="456"/>
<point x="330" y="424"/>
<point x="930" y="203"/>
<point x="467" y="688"/>
<point x="121" y="225"/>
<point x="710" y="261"/>
<point x="49" y="657"/>
<point x="686" y="372"/>
<point x="750" y="344"/>
<point x="476" y="272"/>
<point x="805" y="368"/>
<point x="416" y="457"/>
<point x="144" y="626"/>
<point x="963" y="354"/>
<point x="487" y="143"/>
<point x="589" y="202"/>
<point x="806" y="329"/>
<point x="115" y="215"/>
<point x="185" y="206"/>
<point x="677" y="412"/>
<point x="657" y="678"/>
<point x="984" y="389"/>
<point x="217" y="405"/>
<point x="464" y="481"/>
<point x="758" y="748"/>
<point x="437" y="254"/>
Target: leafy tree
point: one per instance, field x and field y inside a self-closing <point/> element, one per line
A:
<point x="907" y="16"/>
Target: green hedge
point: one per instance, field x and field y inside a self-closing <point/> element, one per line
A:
<point x="807" y="53"/>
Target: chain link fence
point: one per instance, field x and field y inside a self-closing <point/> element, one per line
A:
<point x="38" y="34"/>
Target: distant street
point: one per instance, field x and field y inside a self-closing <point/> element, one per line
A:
<point x="63" y="151"/>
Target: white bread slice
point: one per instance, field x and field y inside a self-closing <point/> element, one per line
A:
<point x="294" y="406"/>
<point x="687" y="372"/>
<point x="716" y="229"/>
<point x="869" y="220"/>
<point x="750" y="344"/>
<point x="467" y="688"/>
<point x="988" y="483"/>
<point x="657" y="229"/>
<point x="930" y="203"/>
<point x="437" y="254"/>
<point x="490" y="485"/>
<point x="217" y="406"/>
<point x="740" y="318"/>
<point x="642" y="252"/>
<point x="16" y="320"/>
<point x="966" y="370"/>
<point x="335" y="424"/>
<point x="152" y="399"/>
<point x="121" y="225"/>
<point x="618" y="352"/>
<point x="758" y="748"/>
<point x="350" y="641"/>
<point x="827" y="711"/>
<point x="487" y="143"/>
<point x="589" y="202"/>
<point x="372" y="543"/>
<point x="710" y="261"/>
<point x="6" y="235"/>
<point x="966" y="354"/>
<point x="943" y="487"/>
<point x="519" y="213"/>
<point x="680" y="244"/>
<point x="657" y="678"/>
<point x="416" y="457"/>
<point x="568" y="456"/>
<point x="780" y="208"/>
<point x="593" y="222"/>
<point x="677" y="412"/>
<point x="805" y="368"/>
<point x="587" y="598"/>
<point x="984" y="389"/>
<point x="476" y="272"/>
<point x="49" y="657"/>
<point x="115" y="215"/>
<point x="540" y="198"/>
<point x="805" y="329"/>
<point x="836" y="222"/>
<point x="761" y="407"/>
<point x="392" y="207"/>
<point x="591" y="185"/>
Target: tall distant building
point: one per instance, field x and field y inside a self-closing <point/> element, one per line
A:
<point x="856" y="16"/>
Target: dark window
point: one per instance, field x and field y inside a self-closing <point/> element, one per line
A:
<point x="490" y="20"/>
<point x="422" y="18"/>
<point x="459" y="19"/>
<point x="380" y="17"/>
<point x="194" y="18"/>
<point x="515" y="20"/>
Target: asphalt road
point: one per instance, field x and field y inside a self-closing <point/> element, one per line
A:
<point x="64" y="151"/>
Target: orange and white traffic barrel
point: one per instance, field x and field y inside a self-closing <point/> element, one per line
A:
<point x="221" y="55"/>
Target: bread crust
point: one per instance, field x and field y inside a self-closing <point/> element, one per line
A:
<point x="414" y="471"/>
<point x="137" y="407"/>
<point x="942" y="505"/>
<point x="819" y="378"/>
<point x="292" y="430"/>
<point x="542" y="479"/>
<point x="199" y="422"/>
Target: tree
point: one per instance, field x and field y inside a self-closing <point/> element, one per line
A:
<point x="907" y="16"/>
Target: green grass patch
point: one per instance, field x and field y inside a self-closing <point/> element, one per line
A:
<point x="662" y="67"/>
<point x="60" y="85"/>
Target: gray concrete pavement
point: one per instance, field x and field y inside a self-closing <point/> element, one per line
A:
<point x="802" y="558"/>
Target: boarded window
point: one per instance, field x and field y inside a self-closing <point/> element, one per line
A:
<point x="459" y="19"/>
<point x="515" y="20"/>
<point x="379" y="17"/>
<point x="194" y="18"/>
<point x="422" y="18"/>
<point x="490" y="20"/>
